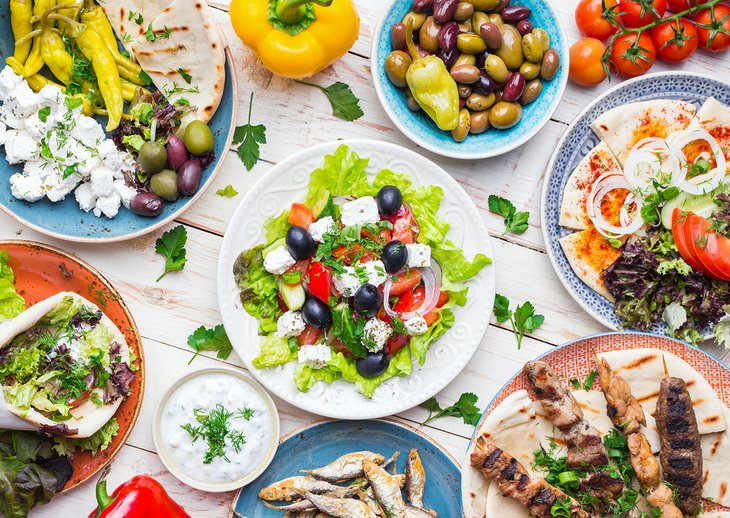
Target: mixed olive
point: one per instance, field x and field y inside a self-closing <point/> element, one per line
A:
<point x="496" y="56"/>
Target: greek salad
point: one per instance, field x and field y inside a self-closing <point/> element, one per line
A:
<point x="357" y="280"/>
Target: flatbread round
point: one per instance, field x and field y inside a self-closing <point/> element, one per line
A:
<point x="589" y="254"/>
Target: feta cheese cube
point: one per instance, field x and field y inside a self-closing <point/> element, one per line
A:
<point x="125" y="192"/>
<point x="102" y="182"/>
<point x="3" y="131"/>
<point x="9" y="80"/>
<point x="419" y="256"/>
<point x="290" y="324"/>
<point x="375" y="270"/>
<point x="278" y="261"/>
<point x="107" y="205"/>
<point x="28" y="188"/>
<point x="376" y="332"/>
<point x="347" y="282"/>
<point x="57" y="187"/>
<point x="416" y="325"/>
<point x="35" y="127"/>
<point x="112" y="158"/>
<point x="51" y="96"/>
<point x="90" y="134"/>
<point x="22" y="101"/>
<point x="85" y="197"/>
<point x="360" y="211"/>
<point x="20" y="147"/>
<point x="39" y="168"/>
<point x="320" y="227"/>
<point x="315" y="356"/>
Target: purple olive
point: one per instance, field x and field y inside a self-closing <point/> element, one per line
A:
<point x="515" y="13"/>
<point x="501" y="5"/>
<point x="481" y="59"/>
<point x="423" y="52"/>
<point x="146" y="204"/>
<point x="398" y="37"/>
<point x="514" y="87"/>
<point x="177" y="155"/>
<point x="443" y="10"/>
<point x="188" y="178"/>
<point x="485" y="85"/>
<point x="447" y="36"/>
<point x="448" y="57"/>
<point x="525" y="27"/>
<point x="421" y="6"/>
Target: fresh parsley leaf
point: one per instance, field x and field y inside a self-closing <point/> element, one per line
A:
<point x="501" y="308"/>
<point x="465" y="408"/>
<point x="166" y="32"/>
<point x="145" y="78"/>
<point x="172" y="247"/>
<point x="214" y="428"/>
<point x="43" y="113"/>
<point x="73" y="102"/>
<point x="345" y="104"/>
<point x="248" y="138"/>
<point x="139" y="20"/>
<point x="514" y="222"/>
<point x="150" y="35"/>
<point x="227" y="191"/>
<point x="187" y="77"/>
<point x="213" y="339"/>
<point x="523" y="319"/>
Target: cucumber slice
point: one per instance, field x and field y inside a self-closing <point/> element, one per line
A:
<point x="292" y="295"/>
<point x="273" y="246"/>
<point x="702" y="205"/>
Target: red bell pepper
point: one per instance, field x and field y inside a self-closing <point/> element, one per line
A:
<point x="319" y="281"/>
<point x="140" y="497"/>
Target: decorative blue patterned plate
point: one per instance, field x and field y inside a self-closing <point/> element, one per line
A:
<point x="421" y="130"/>
<point x="322" y="443"/>
<point x="579" y="140"/>
<point x="65" y="220"/>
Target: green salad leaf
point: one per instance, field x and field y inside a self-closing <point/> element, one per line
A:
<point x="305" y="377"/>
<point x="11" y="304"/>
<point x="274" y="351"/>
<point x="400" y="365"/>
<point x="342" y="174"/>
<point x="420" y="344"/>
<point x="275" y="228"/>
<point x="454" y="263"/>
<point x="258" y="288"/>
<point x="96" y="443"/>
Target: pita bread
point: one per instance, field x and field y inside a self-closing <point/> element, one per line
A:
<point x="622" y="127"/>
<point x="715" y="118"/>
<point x="193" y="46"/>
<point x="589" y="254"/>
<point x="573" y="212"/>
<point x="123" y="16"/>
<point x="87" y="417"/>
<point x="715" y="515"/>
<point x="715" y="449"/>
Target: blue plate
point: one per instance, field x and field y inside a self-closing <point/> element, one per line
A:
<point x="579" y="140"/>
<point x="65" y="220"/>
<point x="423" y="131"/>
<point x="322" y="443"/>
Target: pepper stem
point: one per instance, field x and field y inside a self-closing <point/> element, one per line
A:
<point x="102" y="495"/>
<point x="292" y="11"/>
<point x="412" y="49"/>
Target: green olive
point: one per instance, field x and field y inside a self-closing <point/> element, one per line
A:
<point x="532" y="91"/>
<point x="496" y="19"/>
<point x="418" y="19"/>
<point x="465" y="74"/>
<point x="504" y="115"/>
<point x="543" y="37"/>
<point x="531" y="48"/>
<point x="164" y="185"/>
<point x="462" y="129"/>
<point x="511" y="49"/>
<point x="465" y="59"/>
<point x="463" y="12"/>
<point x="411" y="102"/>
<point x="484" y="5"/>
<point x="198" y="138"/>
<point x="428" y="35"/>
<point x="550" y="65"/>
<point x="495" y="68"/>
<point x="464" y="91"/>
<point x="465" y="26"/>
<point x="470" y="44"/>
<point x="478" y="19"/>
<point x="530" y="70"/>
<point x="477" y="102"/>
<point x="479" y="122"/>
<point x="152" y="157"/>
<point x="396" y="66"/>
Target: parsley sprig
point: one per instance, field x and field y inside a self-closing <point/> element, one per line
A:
<point x="215" y="428"/>
<point x="345" y="104"/>
<point x="523" y="318"/>
<point x="465" y="408"/>
<point x="172" y="247"/>
<point x="210" y="339"/>
<point x="248" y="138"/>
<point x="515" y="222"/>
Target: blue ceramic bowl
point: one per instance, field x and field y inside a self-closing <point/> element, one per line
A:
<point x="322" y="443"/>
<point x="424" y="132"/>
<point x="65" y="220"/>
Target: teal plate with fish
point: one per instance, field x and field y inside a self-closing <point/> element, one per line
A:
<point x="320" y="444"/>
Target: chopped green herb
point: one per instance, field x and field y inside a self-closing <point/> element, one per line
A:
<point x="215" y="428"/>
<point x="43" y="113"/>
<point x="345" y="104"/>
<point x="227" y="191"/>
<point x="172" y="246"/>
<point x="150" y="34"/>
<point x="165" y="34"/>
<point x="465" y="408"/>
<point x="210" y="339"/>
<point x="248" y="138"/>
<point x="523" y="319"/>
<point x="514" y="222"/>
<point x="187" y="77"/>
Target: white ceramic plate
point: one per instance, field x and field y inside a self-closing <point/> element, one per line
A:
<point x="287" y="183"/>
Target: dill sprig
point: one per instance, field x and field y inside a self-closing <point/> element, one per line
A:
<point x="215" y="428"/>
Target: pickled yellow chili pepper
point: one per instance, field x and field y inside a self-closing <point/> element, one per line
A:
<point x="432" y="86"/>
<point x="129" y="90"/>
<point x="20" y="13"/>
<point x="35" y="62"/>
<point x="72" y="10"/>
<point x="53" y="49"/>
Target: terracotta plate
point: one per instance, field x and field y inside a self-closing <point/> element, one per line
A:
<point x="42" y="271"/>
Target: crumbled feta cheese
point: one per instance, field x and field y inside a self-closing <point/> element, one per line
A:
<point x="17" y="123"/>
<point x="35" y="127"/>
<point x="51" y="96"/>
<point x="22" y="101"/>
<point x="107" y="205"/>
<point x="375" y="270"/>
<point x="419" y="256"/>
<point x="91" y="134"/>
<point x="320" y="227"/>
<point x="85" y="197"/>
<point x="102" y="182"/>
<point x="278" y="261"/>
<point x="28" y="188"/>
<point x="3" y="131"/>
<point x="347" y="282"/>
<point x="20" y="147"/>
<point x="57" y="187"/>
<point x="290" y="324"/>
<point x="125" y="192"/>
<point x="9" y="80"/>
<point x="376" y="332"/>
<point x="315" y="356"/>
<point x="109" y="154"/>
<point x="360" y="211"/>
<point x="39" y="168"/>
<point x="416" y="325"/>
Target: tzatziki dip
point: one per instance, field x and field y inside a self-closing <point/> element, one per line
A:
<point x="216" y="427"/>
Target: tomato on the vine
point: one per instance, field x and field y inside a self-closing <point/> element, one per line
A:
<point x="632" y="57"/>
<point x="679" y="6"/>
<point x="675" y="41"/>
<point x="590" y="20"/>
<point x="634" y="14"/>
<point x="713" y="28"/>
<point x="586" y="67"/>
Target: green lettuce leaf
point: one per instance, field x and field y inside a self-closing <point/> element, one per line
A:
<point x="400" y="365"/>
<point x="96" y="342"/>
<point x="61" y="315"/>
<point x="425" y="202"/>
<point x="96" y="443"/>
<point x="305" y="376"/>
<point x="258" y="288"/>
<point x="421" y="344"/>
<point x="11" y="304"/>
<point x="276" y="228"/>
<point x="389" y="177"/>
<point x="23" y="365"/>
<point x="457" y="291"/>
<point x="274" y="351"/>
<point x="342" y="174"/>
<point x="454" y="263"/>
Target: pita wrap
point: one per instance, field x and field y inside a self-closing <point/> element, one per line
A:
<point x="123" y="16"/>
<point x="193" y="46"/>
<point x="622" y="127"/>
<point x="589" y="254"/>
<point x="715" y="118"/>
<point x="87" y="418"/>
<point x="643" y="370"/>
<point x="715" y="515"/>
<point x="716" y="463"/>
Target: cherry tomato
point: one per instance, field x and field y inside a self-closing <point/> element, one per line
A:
<point x="634" y="14"/>
<point x="395" y="343"/>
<point x="679" y="6"/>
<point x="405" y="282"/>
<point x="300" y="266"/>
<point x="632" y="58"/>
<point x="590" y="21"/>
<point x="431" y="316"/>
<point x="300" y="215"/>
<point x="339" y="347"/>
<point x="319" y="281"/>
<point x="675" y="41"/>
<point x="705" y="246"/>
<point x="382" y="237"/>
<point x="354" y="252"/>
<point x="309" y="336"/>
<point x="586" y="68"/>
<point x="403" y="229"/>
<point x="679" y="231"/>
<point x="410" y="300"/>
<point x="709" y="23"/>
<point x="443" y="299"/>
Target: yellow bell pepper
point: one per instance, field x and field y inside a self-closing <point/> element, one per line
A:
<point x="296" y="38"/>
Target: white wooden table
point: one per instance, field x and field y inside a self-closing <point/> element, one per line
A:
<point x="296" y="117"/>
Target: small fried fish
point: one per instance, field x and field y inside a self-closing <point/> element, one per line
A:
<point x="341" y="507"/>
<point x="300" y="506"/>
<point x="415" y="479"/>
<point x="346" y="467"/>
<point x="386" y="488"/>
<point x="293" y="487"/>
<point x="415" y="512"/>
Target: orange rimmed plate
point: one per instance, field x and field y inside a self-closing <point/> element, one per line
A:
<point x="42" y="271"/>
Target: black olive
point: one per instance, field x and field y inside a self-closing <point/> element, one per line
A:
<point x="395" y="255"/>
<point x="374" y="364"/>
<point x="367" y="300"/>
<point x="299" y="242"/>
<point x="389" y="199"/>
<point x="316" y="313"/>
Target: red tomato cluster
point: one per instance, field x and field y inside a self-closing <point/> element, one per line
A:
<point x="634" y="52"/>
<point x="699" y="245"/>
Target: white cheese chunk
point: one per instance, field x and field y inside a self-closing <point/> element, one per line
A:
<point x="375" y="270"/>
<point x="9" y="80"/>
<point x="91" y="134"/>
<point x="360" y="211"/>
<point x="3" y="131"/>
<point x="107" y="205"/>
<point x="347" y="282"/>
<point x="57" y="187"/>
<point x="20" y="147"/>
<point x="85" y="197"/>
<point x="376" y="333"/>
<point x="28" y="188"/>
<point x="419" y="256"/>
<point x="416" y="325"/>
<point x="290" y="324"/>
<point x="125" y="192"/>
<point x="22" y="101"/>
<point x="102" y="182"/>
<point x="278" y="261"/>
<point x="315" y="356"/>
<point x="321" y="227"/>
